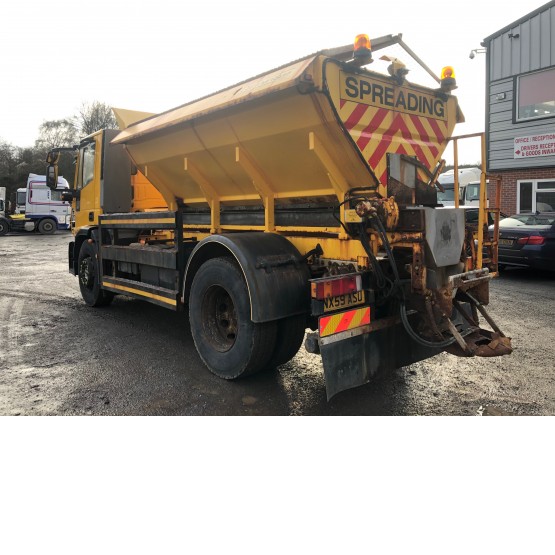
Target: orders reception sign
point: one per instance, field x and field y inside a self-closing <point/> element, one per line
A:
<point x="534" y="145"/>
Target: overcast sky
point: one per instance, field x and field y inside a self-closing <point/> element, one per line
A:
<point x="153" y="56"/>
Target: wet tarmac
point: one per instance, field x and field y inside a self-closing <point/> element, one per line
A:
<point x="60" y="357"/>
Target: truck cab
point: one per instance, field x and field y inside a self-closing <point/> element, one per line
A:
<point x="470" y="195"/>
<point x="43" y="208"/>
<point x="2" y="201"/>
<point x="38" y="207"/>
<point x="106" y="182"/>
<point x="466" y="176"/>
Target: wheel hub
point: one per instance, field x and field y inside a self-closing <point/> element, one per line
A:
<point x="220" y="318"/>
<point x="86" y="276"/>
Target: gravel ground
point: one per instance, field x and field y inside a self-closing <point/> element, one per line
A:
<point x="60" y="357"/>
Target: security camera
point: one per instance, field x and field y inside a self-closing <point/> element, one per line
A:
<point x="475" y="51"/>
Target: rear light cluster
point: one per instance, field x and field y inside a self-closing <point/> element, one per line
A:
<point x="532" y="240"/>
<point x="334" y="287"/>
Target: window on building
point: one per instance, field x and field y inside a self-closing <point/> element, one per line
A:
<point x="536" y="196"/>
<point x="536" y="95"/>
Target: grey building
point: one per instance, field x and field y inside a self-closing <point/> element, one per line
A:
<point x="520" y="110"/>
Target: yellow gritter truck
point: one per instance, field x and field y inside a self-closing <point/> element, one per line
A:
<point x="305" y="197"/>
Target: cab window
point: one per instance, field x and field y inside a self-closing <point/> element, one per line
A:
<point x="57" y="195"/>
<point x="86" y="175"/>
<point x="473" y="191"/>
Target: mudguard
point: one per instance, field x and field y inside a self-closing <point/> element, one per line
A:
<point x="275" y="272"/>
<point x="354" y="360"/>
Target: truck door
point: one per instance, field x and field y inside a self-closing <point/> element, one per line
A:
<point x="87" y="184"/>
<point x="37" y="200"/>
<point x="58" y="207"/>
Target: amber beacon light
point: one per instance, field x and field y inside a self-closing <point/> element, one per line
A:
<point x="448" y="82"/>
<point x="362" y="49"/>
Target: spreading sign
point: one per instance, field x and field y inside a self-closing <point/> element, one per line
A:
<point x="383" y="94"/>
<point x="535" y="145"/>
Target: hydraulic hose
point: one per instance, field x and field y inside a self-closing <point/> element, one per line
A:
<point x="382" y="280"/>
<point x="402" y="305"/>
<point x="416" y="337"/>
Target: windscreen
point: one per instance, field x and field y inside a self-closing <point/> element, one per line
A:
<point x="448" y="194"/>
<point x="473" y="191"/>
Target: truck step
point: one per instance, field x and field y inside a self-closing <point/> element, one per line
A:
<point x="168" y="298"/>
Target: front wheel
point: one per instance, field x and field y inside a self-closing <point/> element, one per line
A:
<point x="228" y="342"/>
<point x="47" y="227"/>
<point x="89" y="277"/>
<point x="4" y="226"/>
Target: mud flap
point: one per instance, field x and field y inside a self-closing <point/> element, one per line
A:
<point x="352" y="361"/>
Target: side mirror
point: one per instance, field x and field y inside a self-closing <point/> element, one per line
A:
<point x="52" y="169"/>
<point x="52" y="176"/>
<point x="67" y="196"/>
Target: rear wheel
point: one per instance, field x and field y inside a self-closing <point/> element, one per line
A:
<point x="89" y="277"/>
<point x="228" y="342"/>
<point x="47" y="227"/>
<point x="290" y="336"/>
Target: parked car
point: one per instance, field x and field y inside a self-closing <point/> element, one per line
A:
<point x="528" y="240"/>
<point x="471" y="215"/>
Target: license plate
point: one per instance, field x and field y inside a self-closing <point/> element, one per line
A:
<point x="506" y="242"/>
<point x="344" y="301"/>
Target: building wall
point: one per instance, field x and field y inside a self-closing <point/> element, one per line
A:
<point x="531" y="50"/>
<point x="502" y="131"/>
<point x="509" y="180"/>
<point x="526" y="46"/>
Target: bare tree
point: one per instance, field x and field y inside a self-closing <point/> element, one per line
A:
<point x="93" y="117"/>
<point x="8" y="158"/>
<point x="55" y="133"/>
<point x="8" y="167"/>
<point x="52" y="134"/>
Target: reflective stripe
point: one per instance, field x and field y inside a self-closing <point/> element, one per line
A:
<point x="344" y="321"/>
<point x="147" y="294"/>
<point x="378" y="130"/>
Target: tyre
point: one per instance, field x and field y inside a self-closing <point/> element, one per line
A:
<point x="89" y="277"/>
<point x="289" y="338"/>
<point x="4" y="226"/>
<point x="47" y="227"/>
<point x="228" y="342"/>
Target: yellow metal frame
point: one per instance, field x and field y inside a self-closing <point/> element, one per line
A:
<point x="262" y="185"/>
<point x="483" y="209"/>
